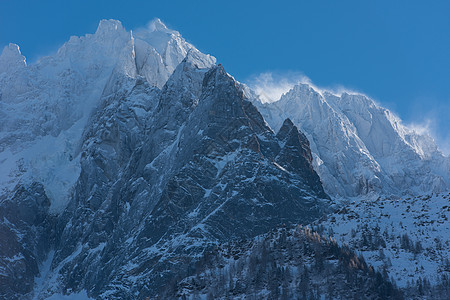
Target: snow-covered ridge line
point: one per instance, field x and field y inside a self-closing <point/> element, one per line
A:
<point x="360" y="147"/>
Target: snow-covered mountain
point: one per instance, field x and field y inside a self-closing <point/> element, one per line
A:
<point x="46" y="106"/>
<point x="360" y="147"/>
<point x="133" y="166"/>
<point x="158" y="169"/>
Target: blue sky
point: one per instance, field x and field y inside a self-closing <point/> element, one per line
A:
<point x="397" y="52"/>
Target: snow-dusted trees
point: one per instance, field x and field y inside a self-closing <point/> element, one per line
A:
<point x="285" y="264"/>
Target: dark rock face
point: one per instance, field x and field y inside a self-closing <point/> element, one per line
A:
<point x="233" y="179"/>
<point x="26" y="233"/>
<point x="296" y="154"/>
<point x="167" y="173"/>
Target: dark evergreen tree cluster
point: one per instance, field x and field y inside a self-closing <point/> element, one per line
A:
<point x="372" y="238"/>
<point x="423" y="289"/>
<point x="409" y="245"/>
<point x="286" y="263"/>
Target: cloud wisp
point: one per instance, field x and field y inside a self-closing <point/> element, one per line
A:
<point x="433" y="124"/>
<point x="270" y="86"/>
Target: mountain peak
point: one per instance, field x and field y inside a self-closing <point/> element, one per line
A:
<point x="288" y="123"/>
<point x="106" y="27"/>
<point x="11" y="48"/>
<point x="11" y="58"/>
<point x="302" y="88"/>
<point x="199" y="59"/>
<point x="157" y="25"/>
<point x="285" y="129"/>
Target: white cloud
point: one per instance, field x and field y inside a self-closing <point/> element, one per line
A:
<point x="433" y="121"/>
<point x="444" y="144"/>
<point x="421" y="128"/>
<point x="433" y="128"/>
<point x="270" y="85"/>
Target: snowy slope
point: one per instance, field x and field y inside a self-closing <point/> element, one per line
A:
<point x="360" y="147"/>
<point x="408" y="236"/>
<point x="46" y="106"/>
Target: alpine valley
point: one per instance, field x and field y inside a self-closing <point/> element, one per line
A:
<point x="133" y="166"/>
